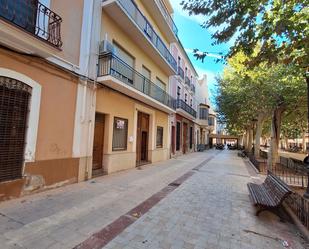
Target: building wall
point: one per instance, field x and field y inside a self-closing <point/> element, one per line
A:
<point x="51" y="162"/>
<point x="149" y="17"/>
<point x="115" y="33"/>
<point x="115" y="104"/>
<point x="71" y="12"/>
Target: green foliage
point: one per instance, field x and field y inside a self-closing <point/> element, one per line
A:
<point x="280" y="26"/>
<point x="244" y="92"/>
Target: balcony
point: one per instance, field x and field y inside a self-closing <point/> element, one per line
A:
<point x="203" y="115"/>
<point x="193" y="88"/>
<point x="131" y="20"/>
<point x="187" y="81"/>
<point x="162" y="18"/>
<point x="40" y="27"/>
<point x="116" y="74"/>
<point x="180" y="72"/>
<point x="183" y="106"/>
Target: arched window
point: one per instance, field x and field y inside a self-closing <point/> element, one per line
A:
<point x="14" y="108"/>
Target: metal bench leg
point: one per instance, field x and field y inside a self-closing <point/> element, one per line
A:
<point x="261" y="209"/>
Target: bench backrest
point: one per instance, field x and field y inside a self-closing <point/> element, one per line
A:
<point x="276" y="188"/>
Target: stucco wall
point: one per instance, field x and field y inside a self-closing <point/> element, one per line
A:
<point x="71" y="12"/>
<point x="115" y="104"/>
<point x="114" y="32"/>
<point x="57" y="109"/>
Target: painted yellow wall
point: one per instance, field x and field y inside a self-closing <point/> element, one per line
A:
<point x="115" y="104"/>
<point x="151" y="20"/>
<point x="115" y="33"/>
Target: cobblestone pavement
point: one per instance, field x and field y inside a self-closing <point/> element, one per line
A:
<point x="210" y="210"/>
<point x="65" y="217"/>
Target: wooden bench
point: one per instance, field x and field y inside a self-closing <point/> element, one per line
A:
<point x="269" y="195"/>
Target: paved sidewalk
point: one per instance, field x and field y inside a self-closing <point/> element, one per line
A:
<point x="210" y="210"/>
<point x="65" y="217"/>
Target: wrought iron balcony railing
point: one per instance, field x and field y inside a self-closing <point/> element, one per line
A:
<point x="167" y="16"/>
<point x="184" y="106"/>
<point x="180" y="72"/>
<point x="34" y="18"/>
<point x="145" y="26"/>
<point x="110" y="64"/>
<point x="187" y="81"/>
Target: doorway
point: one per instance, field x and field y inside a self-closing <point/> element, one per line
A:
<point x="142" y="138"/>
<point x="184" y="138"/>
<point x="98" y="145"/>
<point x="173" y="139"/>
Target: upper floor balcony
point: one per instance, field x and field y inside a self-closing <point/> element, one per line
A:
<point x="185" y="109"/>
<point x="30" y="27"/>
<point x="187" y="81"/>
<point x="192" y="88"/>
<point x="203" y="115"/>
<point x="163" y="18"/>
<point x="132" y="21"/>
<point x="180" y="72"/>
<point x="118" y="75"/>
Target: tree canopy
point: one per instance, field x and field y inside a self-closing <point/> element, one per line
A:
<point x="280" y="26"/>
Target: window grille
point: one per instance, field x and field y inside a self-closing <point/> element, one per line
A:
<point x="14" y="109"/>
<point x="120" y="134"/>
<point x="159" y="137"/>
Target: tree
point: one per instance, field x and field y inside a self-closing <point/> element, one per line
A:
<point x="258" y="93"/>
<point x="280" y="26"/>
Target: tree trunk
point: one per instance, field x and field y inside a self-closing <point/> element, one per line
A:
<point x="250" y="140"/>
<point x="246" y="140"/>
<point x="273" y="154"/>
<point x="304" y="142"/>
<point x="286" y="143"/>
<point x="258" y="134"/>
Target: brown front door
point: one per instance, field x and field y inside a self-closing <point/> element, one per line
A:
<point x="184" y="138"/>
<point x="142" y="138"/>
<point x="173" y="139"/>
<point x="98" y="143"/>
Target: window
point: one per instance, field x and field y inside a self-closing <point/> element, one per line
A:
<point x="191" y="137"/>
<point x="123" y="68"/>
<point x="146" y="72"/>
<point x="178" y="136"/>
<point x="159" y="137"/>
<point x="15" y="98"/>
<point x="160" y="84"/>
<point x="120" y="134"/>
<point x="186" y="71"/>
<point x="203" y="113"/>
<point x="179" y="61"/>
<point x="191" y="102"/>
<point x="186" y="96"/>
<point x="178" y="92"/>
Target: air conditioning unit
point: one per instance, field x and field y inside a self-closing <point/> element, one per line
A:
<point x="106" y="47"/>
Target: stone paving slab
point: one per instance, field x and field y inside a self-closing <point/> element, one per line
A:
<point x="210" y="210"/>
<point x="65" y="217"/>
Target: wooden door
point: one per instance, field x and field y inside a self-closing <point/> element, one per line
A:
<point x="184" y="138"/>
<point x="98" y="142"/>
<point x="173" y="139"/>
<point x="142" y="138"/>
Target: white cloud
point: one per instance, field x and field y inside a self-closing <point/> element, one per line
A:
<point x="190" y="51"/>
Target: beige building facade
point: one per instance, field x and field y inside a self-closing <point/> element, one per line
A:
<point x="88" y="88"/>
<point x="40" y="70"/>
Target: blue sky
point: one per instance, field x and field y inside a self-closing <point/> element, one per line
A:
<point x="192" y="35"/>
